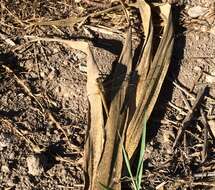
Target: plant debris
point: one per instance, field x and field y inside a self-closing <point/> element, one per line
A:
<point x="79" y="79"/>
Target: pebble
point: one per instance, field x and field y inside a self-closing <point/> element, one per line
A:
<point x="83" y="68"/>
<point x="210" y="78"/>
<point x="2" y="145"/>
<point x="51" y="75"/>
<point x="197" y="11"/>
<point x="34" y="165"/>
<point x="10" y="183"/>
<point x="11" y="156"/>
<point x="5" y="169"/>
<point x="42" y="74"/>
<point x="29" y="65"/>
<point x="5" y="141"/>
<point x="197" y="69"/>
<point x="179" y="117"/>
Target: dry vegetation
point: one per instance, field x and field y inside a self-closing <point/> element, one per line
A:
<point x="78" y="78"/>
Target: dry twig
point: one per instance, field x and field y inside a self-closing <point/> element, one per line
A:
<point x="33" y="146"/>
<point x="51" y="118"/>
<point x="186" y="122"/>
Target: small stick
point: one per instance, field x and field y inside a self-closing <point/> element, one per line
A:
<point x="194" y="136"/>
<point x="206" y="174"/>
<point x="71" y="21"/>
<point x="60" y="158"/>
<point x="205" y="123"/>
<point x="185" y="144"/>
<point x="184" y="90"/>
<point x="104" y="30"/>
<point x="95" y="4"/>
<point x="203" y="184"/>
<point x="181" y="111"/>
<point x="7" y="40"/>
<point x="185" y="101"/>
<point x="22" y="84"/>
<point x="14" y="16"/>
<point x="166" y="121"/>
<point x="189" y="116"/>
<point x="211" y="117"/>
<point x="205" y="144"/>
<point x="34" y="147"/>
<point x="52" y="119"/>
<point x="188" y="93"/>
<point x="211" y="167"/>
<point x="160" y="186"/>
<point x="27" y="90"/>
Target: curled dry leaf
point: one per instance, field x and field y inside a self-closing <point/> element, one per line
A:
<point x="151" y="71"/>
<point x="130" y="103"/>
<point x="110" y="165"/>
<point x="131" y="96"/>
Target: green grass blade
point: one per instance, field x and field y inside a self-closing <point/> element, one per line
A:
<point x="127" y="163"/>
<point x="139" y="177"/>
<point x="104" y="187"/>
<point x="141" y="158"/>
<point x="128" y="167"/>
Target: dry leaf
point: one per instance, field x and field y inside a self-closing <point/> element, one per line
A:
<point x="131" y="96"/>
<point x="126" y="111"/>
<point x="152" y="77"/>
<point x="110" y="166"/>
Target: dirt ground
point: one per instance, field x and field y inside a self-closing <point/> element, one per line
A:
<point x="43" y="99"/>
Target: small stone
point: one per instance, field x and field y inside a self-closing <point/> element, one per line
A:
<point x="2" y="145"/>
<point x="33" y="75"/>
<point x="42" y="74"/>
<point x="29" y="65"/>
<point x="204" y="28"/>
<point x="51" y="75"/>
<point x="55" y="50"/>
<point x="79" y="139"/>
<point x="10" y="183"/>
<point x="83" y="68"/>
<point x="179" y="117"/>
<point x="197" y="69"/>
<point x="10" y="42"/>
<point x="197" y="11"/>
<point x="5" y="169"/>
<point x="34" y="165"/>
<point x="11" y="156"/>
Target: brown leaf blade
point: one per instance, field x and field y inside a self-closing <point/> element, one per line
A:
<point x="128" y="105"/>
<point x="150" y="83"/>
<point x="110" y="166"/>
<point x="95" y="137"/>
<point x="71" y="21"/>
